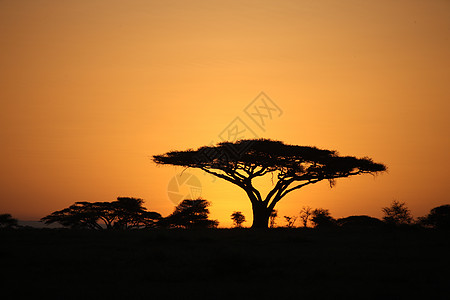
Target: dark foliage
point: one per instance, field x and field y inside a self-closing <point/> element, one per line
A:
<point x="131" y="213"/>
<point x="439" y="218"/>
<point x="238" y="218"/>
<point x="190" y="214"/>
<point x="293" y="166"/>
<point x="397" y="214"/>
<point x="360" y="222"/>
<point x="7" y="221"/>
<point x="321" y="218"/>
<point x="124" y="213"/>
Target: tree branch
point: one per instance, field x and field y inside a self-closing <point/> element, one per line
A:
<point x="227" y="178"/>
<point x="254" y="190"/>
<point x="299" y="186"/>
<point x="279" y="185"/>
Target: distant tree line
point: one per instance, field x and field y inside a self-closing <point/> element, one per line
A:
<point x="129" y="213"/>
<point x="395" y="215"/>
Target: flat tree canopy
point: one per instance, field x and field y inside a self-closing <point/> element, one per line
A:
<point x="123" y="213"/>
<point x="294" y="166"/>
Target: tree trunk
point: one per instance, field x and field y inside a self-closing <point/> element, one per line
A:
<point x="260" y="216"/>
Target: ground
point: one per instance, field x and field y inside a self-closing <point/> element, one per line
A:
<point x="225" y="264"/>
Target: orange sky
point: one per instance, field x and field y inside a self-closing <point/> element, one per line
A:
<point x="90" y="89"/>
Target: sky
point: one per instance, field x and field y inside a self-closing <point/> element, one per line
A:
<point x="90" y="90"/>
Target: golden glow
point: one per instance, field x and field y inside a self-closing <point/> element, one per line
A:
<point x="90" y="89"/>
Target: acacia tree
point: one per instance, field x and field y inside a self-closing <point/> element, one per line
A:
<point x="123" y="213"/>
<point x="293" y="167"/>
<point x="81" y="215"/>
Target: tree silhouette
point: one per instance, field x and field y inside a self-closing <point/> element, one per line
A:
<point x="190" y="214"/>
<point x="439" y="217"/>
<point x="238" y="218"/>
<point x="305" y="215"/>
<point x="124" y="213"/>
<point x="131" y="213"/>
<point x="80" y="215"/>
<point x="7" y="221"/>
<point x="321" y="218"/>
<point x="397" y="214"/>
<point x="290" y="221"/>
<point x="293" y="167"/>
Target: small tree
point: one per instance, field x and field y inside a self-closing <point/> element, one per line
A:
<point x="190" y="214"/>
<point x="272" y="218"/>
<point x="439" y="217"/>
<point x="7" y="221"/>
<point x="238" y="218"/>
<point x="305" y="215"/>
<point x="321" y="217"/>
<point x="397" y="214"/>
<point x="290" y="221"/>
